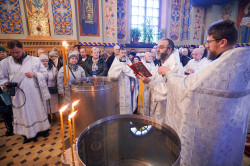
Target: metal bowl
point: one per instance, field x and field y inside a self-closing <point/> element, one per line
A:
<point x="129" y="140"/>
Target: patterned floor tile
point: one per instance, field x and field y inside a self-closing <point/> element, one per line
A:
<point x="46" y="151"/>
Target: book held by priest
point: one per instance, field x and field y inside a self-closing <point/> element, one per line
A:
<point x="139" y="67"/>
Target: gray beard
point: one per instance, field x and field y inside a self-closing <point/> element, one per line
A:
<point x="123" y="58"/>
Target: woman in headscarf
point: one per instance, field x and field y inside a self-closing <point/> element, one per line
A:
<point x="52" y="103"/>
<point x="96" y="66"/>
<point x="75" y="72"/>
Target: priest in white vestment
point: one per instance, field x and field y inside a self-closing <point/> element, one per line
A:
<point x="156" y="85"/>
<point x="120" y="69"/>
<point x="148" y="61"/>
<point x="196" y="63"/>
<point x="149" y="64"/>
<point x="29" y="113"/>
<point x="209" y="109"/>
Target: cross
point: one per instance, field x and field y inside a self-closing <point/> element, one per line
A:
<point x="8" y="6"/>
<point x="88" y="5"/>
<point x="61" y="10"/>
<point x="120" y="11"/>
<point x="175" y="16"/>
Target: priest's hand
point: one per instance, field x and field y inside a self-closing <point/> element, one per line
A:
<point x="4" y="87"/>
<point x="30" y="74"/>
<point x="144" y="79"/>
<point x="163" y="70"/>
<point x="189" y="71"/>
<point x="136" y="75"/>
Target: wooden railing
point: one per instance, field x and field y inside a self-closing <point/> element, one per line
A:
<point x="31" y="46"/>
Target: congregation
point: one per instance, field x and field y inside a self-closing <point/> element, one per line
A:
<point x="183" y="79"/>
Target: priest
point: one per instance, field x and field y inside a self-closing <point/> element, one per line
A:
<point x="155" y="102"/>
<point x="120" y="69"/>
<point x="209" y="109"/>
<point x="29" y="113"/>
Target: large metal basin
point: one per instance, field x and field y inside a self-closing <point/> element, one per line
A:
<point x="129" y="140"/>
<point x="98" y="99"/>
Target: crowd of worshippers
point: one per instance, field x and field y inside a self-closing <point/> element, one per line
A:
<point x="81" y="65"/>
<point x="182" y="80"/>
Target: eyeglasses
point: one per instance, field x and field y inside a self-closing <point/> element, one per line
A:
<point x="161" y="47"/>
<point x="209" y="41"/>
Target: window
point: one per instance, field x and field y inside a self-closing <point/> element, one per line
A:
<point x="140" y="130"/>
<point x="142" y="9"/>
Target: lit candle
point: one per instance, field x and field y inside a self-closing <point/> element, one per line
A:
<point x="73" y="119"/>
<point x="64" y="63"/>
<point x="61" y="117"/>
<point x="70" y="135"/>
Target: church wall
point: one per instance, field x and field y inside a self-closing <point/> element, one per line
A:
<point x="187" y="25"/>
<point x="123" y="21"/>
<point x="63" y="28"/>
<point x="182" y="22"/>
<point x="13" y="27"/>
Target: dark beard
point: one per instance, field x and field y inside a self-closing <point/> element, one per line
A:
<point x="211" y="56"/>
<point x="163" y="56"/>
<point x="20" y="60"/>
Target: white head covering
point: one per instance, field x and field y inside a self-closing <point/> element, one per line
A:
<point x="43" y="57"/>
<point x="72" y="54"/>
<point x="53" y="53"/>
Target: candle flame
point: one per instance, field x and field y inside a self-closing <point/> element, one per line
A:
<point x="72" y="115"/>
<point x="63" y="108"/>
<point x="64" y="43"/>
<point x="75" y="103"/>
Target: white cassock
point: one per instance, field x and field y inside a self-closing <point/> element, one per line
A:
<point x="125" y="74"/>
<point x="157" y="91"/>
<point x="151" y="68"/>
<point x="197" y="65"/>
<point x="209" y="110"/>
<point x="32" y="117"/>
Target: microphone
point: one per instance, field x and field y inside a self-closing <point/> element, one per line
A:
<point x="159" y="63"/>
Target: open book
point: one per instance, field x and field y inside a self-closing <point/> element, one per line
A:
<point x="139" y="67"/>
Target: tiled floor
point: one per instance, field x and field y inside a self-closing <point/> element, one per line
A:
<point x="44" y="152"/>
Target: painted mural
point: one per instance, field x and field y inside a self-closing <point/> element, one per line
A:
<point x="197" y="23"/>
<point x="243" y="21"/>
<point x="175" y="19"/>
<point x="62" y="17"/>
<point x="109" y="18"/>
<point x="122" y="19"/>
<point x="10" y="17"/>
<point x="38" y="17"/>
<point x="186" y="20"/>
<point x="226" y="11"/>
<point x="89" y="17"/>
